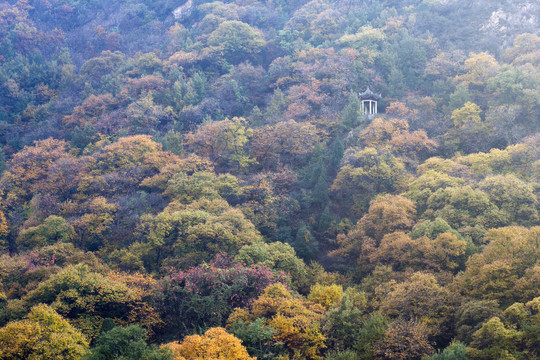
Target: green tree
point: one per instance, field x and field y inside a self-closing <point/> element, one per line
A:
<point x="325" y="220"/>
<point x="277" y="106"/>
<point x="372" y="331"/>
<point x="53" y="229"/>
<point x="426" y="184"/>
<point x="454" y="351"/>
<point x="223" y="142"/>
<point x="467" y="210"/>
<point x="365" y="173"/>
<point x="368" y="41"/>
<point x="472" y="314"/>
<point x="145" y="114"/>
<point x="86" y="298"/>
<point x="319" y="194"/>
<point x="173" y="141"/>
<point x="82" y="137"/>
<point x="305" y="244"/>
<point x="432" y="229"/>
<point x="514" y="197"/>
<point x="352" y="115"/>
<point x="237" y="40"/>
<point x="337" y="153"/>
<point x="470" y="133"/>
<point x="277" y="256"/>
<point x="494" y="341"/>
<point x="343" y="322"/>
<point x="192" y="234"/>
<point x="344" y="355"/>
<point x="257" y="337"/>
<point x="185" y="188"/>
<point x="127" y="343"/>
<point x="467" y="116"/>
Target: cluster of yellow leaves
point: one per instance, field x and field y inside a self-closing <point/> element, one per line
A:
<point x="507" y="269"/>
<point x="140" y="284"/>
<point x="401" y="252"/>
<point x="394" y="135"/>
<point x="326" y="295"/>
<point x="519" y="158"/>
<point x="45" y="335"/>
<point x="468" y="115"/>
<point x="188" y="165"/>
<point x="30" y="166"/>
<point x="479" y="68"/>
<point x="283" y="142"/>
<point x="368" y="40"/>
<point x="296" y="321"/>
<point x="215" y="344"/>
<point x="386" y="214"/>
<point x="86" y="298"/>
<point x="91" y="109"/>
<point x="222" y="142"/>
<point x="3" y="225"/>
<point x="130" y="151"/>
<point x="193" y="232"/>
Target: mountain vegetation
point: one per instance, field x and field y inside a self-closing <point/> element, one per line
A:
<point x="198" y="180"/>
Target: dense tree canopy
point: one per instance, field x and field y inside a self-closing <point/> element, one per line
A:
<point x="203" y="175"/>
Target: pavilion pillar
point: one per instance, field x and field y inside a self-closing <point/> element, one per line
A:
<point x="369" y="102"/>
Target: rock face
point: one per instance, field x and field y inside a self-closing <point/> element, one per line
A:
<point x="505" y="22"/>
<point x="482" y="24"/>
<point x="522" y="18"/>
<point x="183" y="10"/>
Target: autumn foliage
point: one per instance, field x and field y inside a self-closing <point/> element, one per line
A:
<point x="205" y="175"/>
<point x="216" y="343"/>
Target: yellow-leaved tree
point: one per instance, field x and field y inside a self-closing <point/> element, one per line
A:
<point x="45" y="335"/>
<point x="296" y="321"/>
<point x="326" y="295"/>
<point x="216" y="344"/>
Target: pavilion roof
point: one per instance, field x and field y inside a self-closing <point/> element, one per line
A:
<point x="369" y="95"/>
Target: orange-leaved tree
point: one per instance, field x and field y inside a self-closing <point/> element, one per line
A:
<point x="216" y="344"/>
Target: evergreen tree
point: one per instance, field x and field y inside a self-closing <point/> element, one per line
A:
<point x="324" y="220"/>
<point x="352" y="114"/>
<point x="337" y="153"/>
<point x="455" y="351"/>
<point x="305" y="244"/>
<point x="319" y="195"/>
<point x="2" y="161"/>
<point x="126" y="344"/>
<point x="256" y="118"/>
<point x="277" y="105"/>
<point x="82" y="137"/>
<point x="173" y="142"/>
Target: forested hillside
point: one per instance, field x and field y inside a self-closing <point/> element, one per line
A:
<point x="198" y="180"/>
